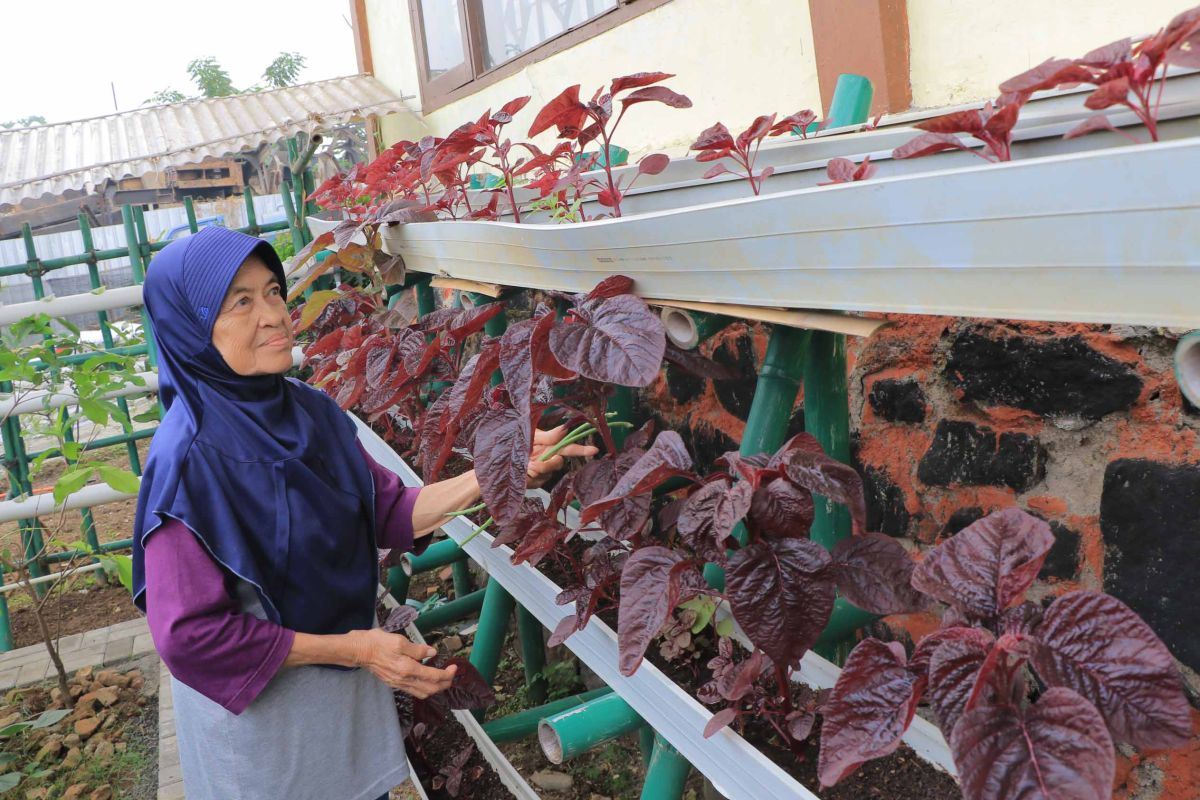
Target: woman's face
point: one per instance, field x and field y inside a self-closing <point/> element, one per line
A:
<point x="253" y="332"/>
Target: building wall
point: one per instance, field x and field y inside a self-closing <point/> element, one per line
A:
<point x="960" y="51"/>
<point x="715" y="48"/>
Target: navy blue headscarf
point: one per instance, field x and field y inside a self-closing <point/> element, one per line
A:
<point x="264" y="470"/>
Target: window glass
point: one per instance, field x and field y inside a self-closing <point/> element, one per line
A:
<point x="443" y="36"/>
<point x="513" y="26"/>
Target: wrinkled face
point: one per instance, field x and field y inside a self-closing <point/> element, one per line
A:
<point x="253" y="332"/>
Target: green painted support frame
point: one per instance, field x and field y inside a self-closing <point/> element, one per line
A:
<point x="452" y="611"/>
<point x="571" y="733"/>
<point x="667" y="772"/>
<point x="525" y="723"/>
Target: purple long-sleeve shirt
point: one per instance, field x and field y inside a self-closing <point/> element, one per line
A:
<point x="195" y="620"/>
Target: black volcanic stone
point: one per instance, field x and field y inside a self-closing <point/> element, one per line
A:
<point x="736" y="395"/>
<point x="885" y="504"/>
<point x="966" y="454"/>
<point x="898" y="400"/>
<point x="1045" y="376"/>
<point x="706" y="444"/>
<point x="1150" y="520"/>
<point x="683" y="385"/>
<point x="961" y="518"/>
<point x="1063" y="559"/>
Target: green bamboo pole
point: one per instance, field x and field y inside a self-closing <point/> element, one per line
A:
<point x="570" y="733"/>
<point x="289" y="211"/>
<point x="452" y="612"/>
<point x="189" y="208"/>
<point x="493" y="625"/>
<point x="31" y="529"/>
<point x="775" y="394"/>
<point x="666" y="774"/>
<point x="97" y="444"/>
<point x="460" y="573"/>
<point x="397" y="582"/>
<point x="827" y="417"/>
<point x="437" y="555"/>
<point x="529" y="629"/>
<point x="525" y="723"/>
<point x="251" y="218"/>
<point x="646" y="736"/>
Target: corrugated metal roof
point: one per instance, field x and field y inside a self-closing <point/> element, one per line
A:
<point x="53" y="159"/>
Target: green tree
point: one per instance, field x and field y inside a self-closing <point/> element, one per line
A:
<point x="284" y="70"/>
<point x="211" y="77"/>
<point x="165" y="96"/>
<point x="24" y="122"/>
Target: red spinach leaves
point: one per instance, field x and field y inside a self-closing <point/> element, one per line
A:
<point x="1107" y="676"/>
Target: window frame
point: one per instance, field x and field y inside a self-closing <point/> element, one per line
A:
<point x="470" y="77"/>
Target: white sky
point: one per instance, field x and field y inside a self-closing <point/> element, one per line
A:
<point x="58" y="56"/>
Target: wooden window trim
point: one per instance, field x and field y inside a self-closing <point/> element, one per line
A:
<point x="460" y="82"/>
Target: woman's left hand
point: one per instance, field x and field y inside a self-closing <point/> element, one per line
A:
<point x="541" y="471"/>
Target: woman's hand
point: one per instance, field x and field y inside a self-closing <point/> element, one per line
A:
<point x="541" y="471"/>
<point x="397" y="662"/>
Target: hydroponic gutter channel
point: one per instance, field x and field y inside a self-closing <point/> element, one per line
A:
<point x="508" y="774"/>
<point x="736" y="769"/>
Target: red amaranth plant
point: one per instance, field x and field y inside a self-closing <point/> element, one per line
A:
<point x="583" y="123"/>
<point x="717" y="142"/>
<point x="1102" y="674"/>
<point x="992" y="125"/>
<point x="1124" y="74"/>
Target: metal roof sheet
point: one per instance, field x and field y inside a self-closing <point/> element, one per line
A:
<point x="53" y="159"/>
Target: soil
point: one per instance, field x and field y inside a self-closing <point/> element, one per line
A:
<point x="83" y="609"/>
<point x="107" y="745"/>
<point x="447" y="741"/>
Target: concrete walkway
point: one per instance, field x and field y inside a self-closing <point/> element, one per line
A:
<point x="102" y="647"/>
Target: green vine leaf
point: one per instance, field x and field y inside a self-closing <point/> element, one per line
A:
<point x="120" y="479"/>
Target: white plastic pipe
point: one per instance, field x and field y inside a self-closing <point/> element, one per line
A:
<point x="105" y="300"/>
<point x="43" y="504"/>
<point x="8" y="587"/>
<point x="41" y="400"/>
<point x="1187" y="367"/>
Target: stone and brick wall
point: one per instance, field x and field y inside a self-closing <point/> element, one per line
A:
<point x="1082" y="425"/>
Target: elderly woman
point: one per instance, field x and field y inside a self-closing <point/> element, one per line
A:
<point x="255" y="545"/>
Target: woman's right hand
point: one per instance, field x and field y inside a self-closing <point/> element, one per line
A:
<point x="396" y="661"/>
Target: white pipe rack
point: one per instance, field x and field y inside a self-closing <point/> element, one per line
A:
<point x="9" y="587"/>
<point x="38" y="505"/>
<point x="41" y="400"/>
<point x="102" y="300"/>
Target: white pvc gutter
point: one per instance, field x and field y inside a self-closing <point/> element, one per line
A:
<point x="105" y="300"/>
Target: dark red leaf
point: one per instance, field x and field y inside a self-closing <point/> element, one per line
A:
<point x="621" y="343"/>
<point x="716" y="137"/>
<point x="653" y="164"/>
<point x="1000" y="124"/>
<point x="692" y="362"/>
<point x="868" y="710"/>
<point x="780" y="509"/>
<point x="539" y="536"/>
<point x="1094" y="644"/>
<point x="657" y="94"/>
<point x="666" y="459"/>
<point x="637" y="80"/>
<point x="803" y="441"/>
<point x="874" y="572"/>
<point x="501" y="451"/>
<point x="927" y="144"/>
<point x="611" y="286"/>
<point x="544" y="361"/>
<point x="469" y="690"/>
<point x="987" y="566"/>
<point x="953" y="671"/>
<point x="608" y="198"/>
<point x="1108" y="55"/>
<point x="563" y="630"/>
<point x="1050" y="74"/>
<point x="1096" y="122"/>
<point x="970" y="122"/>
<point x="1108" y="94"/>
<point x="715" y="170"/>
<point x="653" y="582"/>
<point x="709" y="514"/>
<point x="759" y="128"/>
<point x="720" y="720"/>
<point x="513" y="106"/>
<point x="782" y="595"/>
<point x="831" y="479"/>
<point x="1055" y="748"/>
<point x="400" y="618"/>
<point x="565" y="111"/>
<point x="516" y="362"/>
<point x="923" y="653"/>
<point x="840" y="170"/>
<point x="800" y="724"/>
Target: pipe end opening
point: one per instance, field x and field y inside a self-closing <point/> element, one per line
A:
<point x="551" y="744"/>
<point x="681" y="328"/>
<point x="1187" y="367"/>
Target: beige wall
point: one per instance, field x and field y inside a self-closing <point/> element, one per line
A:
<point x="961" y="51"/>
<point x="735" y="59"/>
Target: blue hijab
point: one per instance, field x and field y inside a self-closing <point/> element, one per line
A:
<point x="264" y="470"/>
